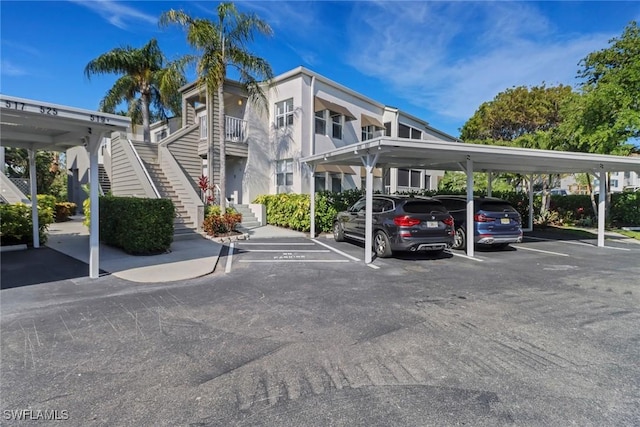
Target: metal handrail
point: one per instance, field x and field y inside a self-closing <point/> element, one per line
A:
<point x="144" y="169"/>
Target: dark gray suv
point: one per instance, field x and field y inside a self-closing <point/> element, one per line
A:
<point x="399" y="224"/>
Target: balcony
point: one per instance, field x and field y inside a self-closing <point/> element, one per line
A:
<point x="235" y="130"/>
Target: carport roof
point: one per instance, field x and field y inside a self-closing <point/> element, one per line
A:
<point x="438" y="155"/>
<point x="37" y="125"/>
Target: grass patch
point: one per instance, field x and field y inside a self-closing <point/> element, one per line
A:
<point x="628" y="233"/>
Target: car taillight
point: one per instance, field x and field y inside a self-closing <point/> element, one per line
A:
<point x="482" y="218"/>
<point x="448" y="221"/>
<point x="405" y="221"/>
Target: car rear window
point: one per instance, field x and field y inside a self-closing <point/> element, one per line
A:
<point x="423" y="206"/>
<point x="496" y="206"/>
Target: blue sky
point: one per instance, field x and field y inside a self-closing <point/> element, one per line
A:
<point x="435" y="60"/>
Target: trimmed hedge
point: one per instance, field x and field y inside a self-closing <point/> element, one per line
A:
<point x="292" y="210"/>
<point x="16" y="226"/>
<point x="136" y="225"/>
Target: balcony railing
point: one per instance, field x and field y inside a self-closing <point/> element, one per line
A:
<point x="235" y="129"/>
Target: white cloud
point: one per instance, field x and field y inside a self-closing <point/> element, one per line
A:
<point x="11" y="69"/>
<point x="450" y="57"/>
<point x="116" y="13"/>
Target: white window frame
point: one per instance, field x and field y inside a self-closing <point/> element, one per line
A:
<point x="368" y="132"/>
<point x="161" y="134"/>
<point x="411" y="184"/>
<point x="202" y="119"/>
<point x="284" y="173"/>
<point x="284" y="113"/>
<point x="321" y="117"/>
<point x="336" y="125"/>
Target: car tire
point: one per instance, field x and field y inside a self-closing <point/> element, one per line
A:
<point x="459" y="239"/>
<point x="501" y="246"/>
<point x="338" y="232"/>
<point x="381" y="245"/>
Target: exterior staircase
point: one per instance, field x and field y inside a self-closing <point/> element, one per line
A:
<point x="249" y="220"/>
<point x="183" y="225"/>
<point x="103" y="179"/>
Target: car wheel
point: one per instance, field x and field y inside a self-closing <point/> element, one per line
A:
<point x="381" y="245"/>
<point x="338" y="232"/>
<point x="459" y="239"/>
<point x="501" y="245"/>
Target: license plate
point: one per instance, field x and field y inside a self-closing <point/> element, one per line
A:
<point x="432" y="224"/>
<point x="505" y="221"/>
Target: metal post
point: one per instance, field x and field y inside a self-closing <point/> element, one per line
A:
<point x="34" y="197"/>
<point x="93" y="147"/>
<point x="602" y="206"/>
<point x="530" y="203"/>
<point x="489" y="182"/>
<point x="470" y="210"/>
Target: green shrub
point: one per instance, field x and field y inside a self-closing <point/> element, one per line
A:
<point x="287" y="210"/>
<point x="138" y="226"/>
<point x="625" y="209"/>
<point x="16" y="225"/>
<point x="216" y="224"/>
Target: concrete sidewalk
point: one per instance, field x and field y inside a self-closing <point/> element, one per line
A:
<point x="187" y="258"/>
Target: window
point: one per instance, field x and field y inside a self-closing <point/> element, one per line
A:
<point x="405" y="131"/>
<point x="160" y="135"/>
<point x="203" y="125"/>
<point x="409" y="178"/>
<point x="336" y="183"/>
<point x="321" y="123"/>
<point x="387" y="129"/>
<point x="284" y="113"/>
<point x="368" y="132"/>
<point x="321" y="182"/>
<point x="427" y="182"/>
<point x="284" y="172"/>
<point x="336" y="123"/>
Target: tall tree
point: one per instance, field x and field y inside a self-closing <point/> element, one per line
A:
<point x="148" y="80"/>
<point x="222" y="45"/>
<point x="607" y="115"/>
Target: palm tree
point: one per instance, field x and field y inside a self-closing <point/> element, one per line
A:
<point x="146" y="72"/>
<point x="221" y="45"/>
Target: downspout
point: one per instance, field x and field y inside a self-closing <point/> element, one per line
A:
<point x="312" y="175"/>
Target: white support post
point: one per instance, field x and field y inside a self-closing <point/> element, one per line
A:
<point x="312" y="200"/>
<point x="602" y="206"/>
<point x="489" y="183"/>
<point x="93" y="146"/>
<point x="34" y="197"/>
<point x="530" y="227"/>
<point x="369" y="162"/>
<point x="470" y="210"/>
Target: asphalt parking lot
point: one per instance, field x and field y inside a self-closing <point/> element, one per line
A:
<point x="302" y="332"/>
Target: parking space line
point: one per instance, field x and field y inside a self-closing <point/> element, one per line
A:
<point x="336" y="250"/>
<point x="276" y="244"/>
<point x="539" y="250"/>
<point x="465" y="256"/>
<point x="375" y="267"/>
<point x="577" y="243"/>
<point x="285" y="250"/>
<point x="227" y="268"/>
<point x="294" y="260"/>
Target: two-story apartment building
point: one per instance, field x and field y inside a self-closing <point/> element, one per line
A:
<point x="306" y="113"/>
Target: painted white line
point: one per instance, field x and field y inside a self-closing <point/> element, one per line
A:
<point x="578" y="243"/>
<point x="288" y="250"/>
<point x="227" y="268"/>
<point x="294" y="260"/>
<point x="276" y="244"/>
<point x="539" y="250"/>
<point x="465" y="256"/>
<point x="375" y="267"/>
<point x="336" y="250"/>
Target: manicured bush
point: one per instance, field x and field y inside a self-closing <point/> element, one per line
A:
<point x="136" y="225"/>
<point x="16" y="225"/>
<point x="625" y="209"/>
<point x="287" y="210"/>
<point x="216" y="224"/>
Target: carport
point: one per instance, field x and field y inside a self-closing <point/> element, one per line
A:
<point x="423" y="154"/>
<point x="36" y="125"/>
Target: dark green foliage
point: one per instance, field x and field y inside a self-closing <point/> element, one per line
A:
<point x="625" y="209"/>
<point x="287" y="210"/>
<point x="217" y="224"/>
<point x="16" y="226"/>
<point x="136" y="225"/>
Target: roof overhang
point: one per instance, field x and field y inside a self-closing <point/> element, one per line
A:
<point x="37" y="125"/>
<point x="438" y="155"/>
